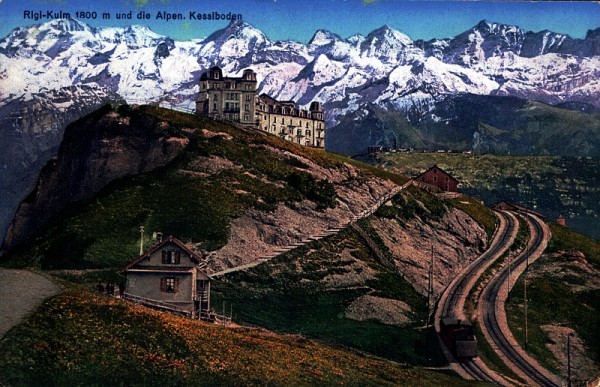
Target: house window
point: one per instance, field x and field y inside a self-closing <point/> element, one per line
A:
<point x="169" y="285"/>
<point x="171" y="257"/>
<point x="247" y="107"/>
<point x="247" y="97"/>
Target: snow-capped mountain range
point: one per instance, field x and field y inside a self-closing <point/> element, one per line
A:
<point x="385" y="67"/>
<point x="52" y="69"/>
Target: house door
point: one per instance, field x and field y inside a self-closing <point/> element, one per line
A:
<point x="202" y="294"/>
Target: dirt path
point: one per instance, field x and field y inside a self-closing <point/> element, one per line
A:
<point x="21" y="292"/>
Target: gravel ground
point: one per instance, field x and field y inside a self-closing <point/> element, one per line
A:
<point x="21" y="292"/>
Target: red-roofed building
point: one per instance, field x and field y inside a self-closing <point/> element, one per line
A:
<point x="169" y="276"/>
<point x="439" y="178"/>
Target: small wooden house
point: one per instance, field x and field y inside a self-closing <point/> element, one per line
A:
<point x="171" y="277"/>
<point x="439" y="178"/>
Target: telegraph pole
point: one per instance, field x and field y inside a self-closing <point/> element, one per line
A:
<point x="430" y="288"/>
<point x="429" y="296"/>
<point x="141" y="240"/>
<point x="525" y="296"/>
<point x="569" y="360"/>
<point x="508" y="282"/>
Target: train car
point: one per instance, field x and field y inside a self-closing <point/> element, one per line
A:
<point x="458" y="337"/>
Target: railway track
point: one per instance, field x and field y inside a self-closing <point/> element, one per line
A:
<point x="460" y="288"/>
<point x="453" y="299"/>
<point x="491" y="302"/>
<point x="477" y="371"/>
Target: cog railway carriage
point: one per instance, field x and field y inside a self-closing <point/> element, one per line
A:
<point x="458" y="336"/>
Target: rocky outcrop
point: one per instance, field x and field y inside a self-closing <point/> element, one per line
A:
<point x="97" y="149"/>
<point x="258" y="233"/>
<point x="456" y="241"/>
<point x="31" y="131"/>
<point x="384" y="310"/>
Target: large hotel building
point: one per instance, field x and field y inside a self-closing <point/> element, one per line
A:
<point x="234" y="99"/>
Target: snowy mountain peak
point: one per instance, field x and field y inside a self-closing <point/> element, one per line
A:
<point x="239" y="30"/>
<point x="490" y="28"/>
<point x="391" y="36"/>
<point x="323" y="38"/>
<point x="386" y="44"/>
<point x="356" y="39"/>
<point x="64" y="25"/>
<point x="134" y="36"/>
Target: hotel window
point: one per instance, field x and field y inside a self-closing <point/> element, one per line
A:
<point x="169" y="285"/>
<point x="247" y="97"/>
<point x="247" y="107"/>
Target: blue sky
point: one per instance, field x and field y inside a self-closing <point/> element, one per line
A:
<point x="298" y="20"/>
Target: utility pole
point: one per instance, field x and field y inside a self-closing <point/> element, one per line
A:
<point x="141" y="240"/>
<point x="430" y="288"/>
<point x="525" y="296"/>
<point x="508" y="282"/>
<point x="569" y="360"/>
<point x="429" y="296"/>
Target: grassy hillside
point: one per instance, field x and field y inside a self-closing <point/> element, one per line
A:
<point x="192" y="197"/>
<point x="565" y="298"/>
<point x="217" y="178"/>
<point x="223" y="172"/>
<point x="308" y="290"/>
<point x="552" y="185"/>
<point x="294" y="293"/>
<point x="81" y="338"/>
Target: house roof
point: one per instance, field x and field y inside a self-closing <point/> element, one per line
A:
<point x="171" y="239"/>
<point x="268" y="99"/>
<point x="440" y="169"/>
